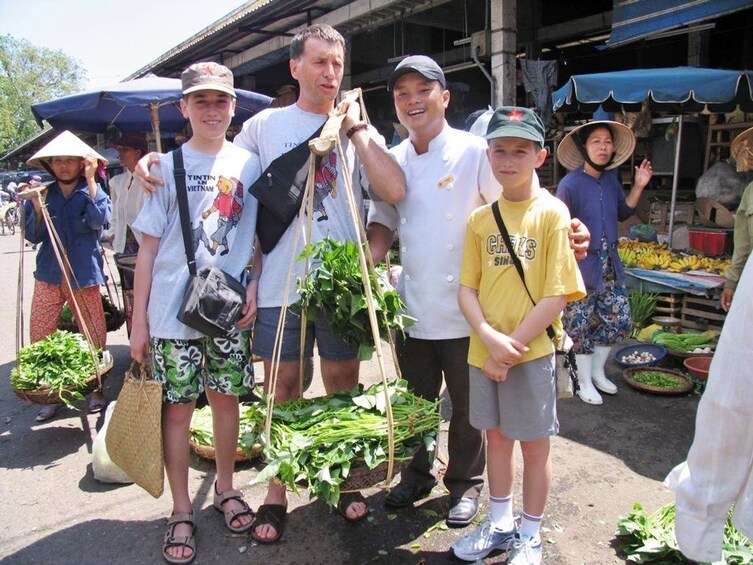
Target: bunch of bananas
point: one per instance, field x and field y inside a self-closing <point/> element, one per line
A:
<point x="657" y="256"/>
<point x="656" y="260"/>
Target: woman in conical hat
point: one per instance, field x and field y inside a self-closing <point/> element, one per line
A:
<point x="593" y="192"/>
<point x="742" y="153"/>
<point x="78" y="208"/>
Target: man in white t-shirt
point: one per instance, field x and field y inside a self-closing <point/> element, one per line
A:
<point x="317" y="59"/>
<point x="447" y="177"/>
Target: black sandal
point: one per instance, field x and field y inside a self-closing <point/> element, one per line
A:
<point x="273" y="515"/>
<point x="346" y="500"/>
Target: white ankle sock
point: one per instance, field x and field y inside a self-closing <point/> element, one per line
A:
<point x="530" y="526"/>
<point x="501" y="511"/>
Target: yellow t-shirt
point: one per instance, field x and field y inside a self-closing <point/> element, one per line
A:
<point x="538" y="230"/>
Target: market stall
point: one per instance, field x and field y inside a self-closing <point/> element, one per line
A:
<point x="672" y="90"/>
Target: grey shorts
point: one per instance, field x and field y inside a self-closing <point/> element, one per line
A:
<point x="330" y="346"/>
<point x="524" y="407"/>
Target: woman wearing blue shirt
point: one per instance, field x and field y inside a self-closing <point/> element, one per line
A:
<point x="593" y="192"/>
<point x="78" y="208"/>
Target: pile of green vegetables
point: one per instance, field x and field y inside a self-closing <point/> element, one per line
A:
<point x="650" y="538"/>
<point x="659" y="379"/>
<point x="317" y="442"/>
<point x="334" y="286"/>
<point x="62" y="362"/>
<point x="642" y="305"/>
<point x="114" y="317"/>
<point x="686" y="342"/>
<point x="201" y="429"/>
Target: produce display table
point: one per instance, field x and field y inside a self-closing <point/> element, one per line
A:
<point x="698" y="283"/>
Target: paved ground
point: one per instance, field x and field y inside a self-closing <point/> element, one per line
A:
<point x="54" y="511"/>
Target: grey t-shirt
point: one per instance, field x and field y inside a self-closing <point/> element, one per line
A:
<point x="223" y="224"/>
<point x="272" y="133"/>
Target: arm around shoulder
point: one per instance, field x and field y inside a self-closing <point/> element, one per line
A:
<point x="385" y="175"/>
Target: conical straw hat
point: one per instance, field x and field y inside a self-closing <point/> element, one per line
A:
<point x="622" y="137"/>
<point x="742" y="150"/>
<point x="64" y="145"/>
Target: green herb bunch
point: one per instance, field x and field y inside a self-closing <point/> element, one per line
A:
<point x="316" y="442"/>
<point x="334" y="285"/>
<point x="650" y="538"/>
<point x="61" y="362"/>
<point x="642" y="305"/>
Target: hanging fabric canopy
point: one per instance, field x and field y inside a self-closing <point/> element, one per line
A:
<point x="672" y="89"/>
<point x="640" y="19"/>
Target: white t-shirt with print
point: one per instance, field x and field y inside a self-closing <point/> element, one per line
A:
<point x="273" y="132"/>
<point x="217" y="187"/>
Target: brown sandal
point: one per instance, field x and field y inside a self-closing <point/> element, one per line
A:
<point x="220" y="498"/>
<point x="346" y="500"/>
<point x="172" y="541"/>
<point x="273" y="515"/>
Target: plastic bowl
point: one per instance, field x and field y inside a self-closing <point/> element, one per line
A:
<point x="698" y="366"/>
<point x="658" y="351"/>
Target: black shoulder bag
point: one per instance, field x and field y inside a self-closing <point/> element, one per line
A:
<point x="213" y="299"/>
<point x="567" y="369"/>
<point x="280" y="190"/>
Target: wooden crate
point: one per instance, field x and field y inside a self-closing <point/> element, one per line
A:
<point x="669" y="305"/>
<point x="702" y="313"/>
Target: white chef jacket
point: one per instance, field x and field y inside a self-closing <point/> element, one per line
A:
<point x="443" y="186"/>
<point x="719" y="470"/>
<point x="127" y="195"/>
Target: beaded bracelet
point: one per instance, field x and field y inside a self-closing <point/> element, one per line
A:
<point x="358" y="127"/>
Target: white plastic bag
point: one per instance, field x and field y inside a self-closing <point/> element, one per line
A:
<point x="105" y="470"/>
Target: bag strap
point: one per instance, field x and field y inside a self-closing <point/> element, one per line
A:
<point x="179" y="172"/>
<point x="515" y="259"/>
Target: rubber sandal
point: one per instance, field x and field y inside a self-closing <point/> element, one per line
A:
<point x="186" y="541"/>
<point x="273" y="515"/>
<point x="97" y="405"/>
<point x="220" y="498"/>
<point x="350" y="498"/>
<point x="47" y="413"/>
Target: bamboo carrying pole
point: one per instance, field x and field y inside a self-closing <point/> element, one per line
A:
<point x="328" y="141"/>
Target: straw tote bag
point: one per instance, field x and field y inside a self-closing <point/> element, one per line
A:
<point x="134" y="436"/>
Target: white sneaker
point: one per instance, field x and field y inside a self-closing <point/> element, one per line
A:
<point x="482" y="542"/>
<point x="525" y="552"/>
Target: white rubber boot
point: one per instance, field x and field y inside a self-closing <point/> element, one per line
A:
<point x="586" y="390"/>
<point x="600" y="380"/>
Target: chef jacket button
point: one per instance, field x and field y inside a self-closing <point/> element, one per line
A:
<point x="448" y="217"/>
<point x="403" y="249"/>
<point x="402" y="220"/>
<point x="450" y="247"/>
<point x="450" y="278"/>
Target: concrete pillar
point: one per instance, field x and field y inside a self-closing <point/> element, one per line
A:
<point x="504" y="42"/>
<point x="698" y="48"/>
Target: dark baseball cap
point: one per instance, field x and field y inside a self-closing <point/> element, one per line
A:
<point x="131" y="139"/>
<point x="421" y="64"/>
<point x="514" y="121"/>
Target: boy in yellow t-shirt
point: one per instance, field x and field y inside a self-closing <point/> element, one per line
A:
<point x="512" y="380"/>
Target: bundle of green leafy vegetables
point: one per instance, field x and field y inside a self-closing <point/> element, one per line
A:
<point x="317" y="442"/>
<point x="62" y="362"/>
<point x="114" y="317"/>
<point x="334" y="285"/>
<point x="650" y="538"/>
<point x="201" y="429"/>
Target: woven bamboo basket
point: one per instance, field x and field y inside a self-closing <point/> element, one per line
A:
<point x="208" y="452"/>
<point x="45" y="396"/>
<point x="361" y="477"/>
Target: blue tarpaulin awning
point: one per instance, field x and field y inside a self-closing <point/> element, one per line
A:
<point x="689" y="88"/>
<point x="640" y="19"/>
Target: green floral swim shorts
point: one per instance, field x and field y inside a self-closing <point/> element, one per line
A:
<point x="185" y="367"/>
